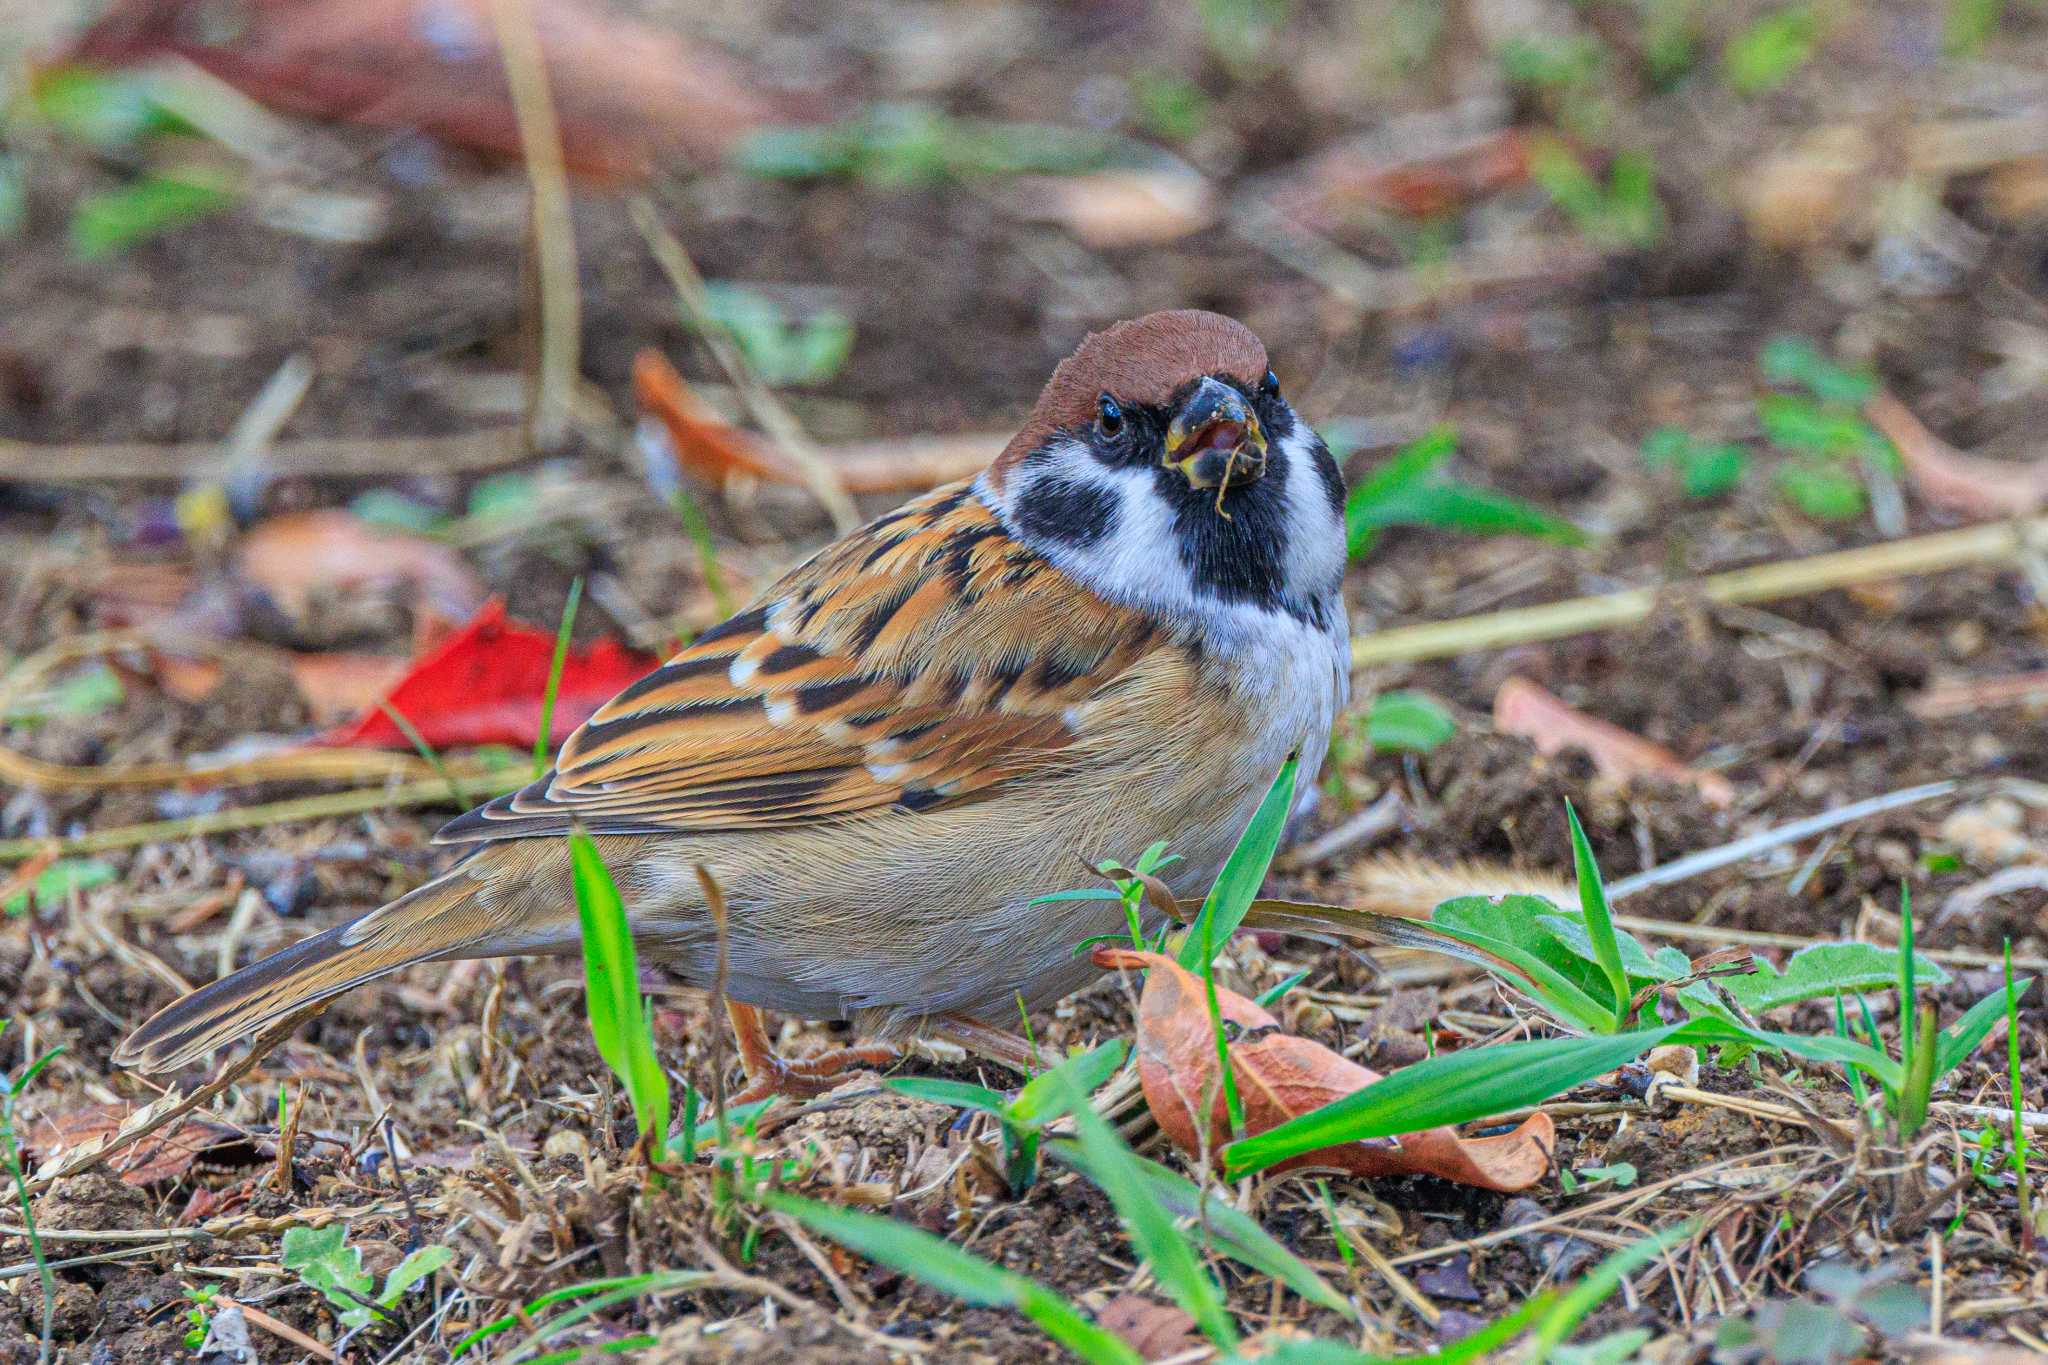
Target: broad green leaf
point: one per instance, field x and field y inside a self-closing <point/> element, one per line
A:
<point x="1549" y="987"/>
<point x="1450" y="1088"/>
<point x="1412" y="721"/>
<point x="1173" y="1259"/>
<point x="1599" y="922"/>
<point x="414" y="1268"/>
<point x="1232" y="1231"/>
<point x="1818" y="971"/>
<point x="945" y="1267"/>
<point x="1640" y="965"/>
<point x="1960" y="1039"/>
<point x="1244" y="871"/>
<point x="322" y="1258"/>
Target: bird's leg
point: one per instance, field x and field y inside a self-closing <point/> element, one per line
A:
<point x="769" y="1073"/>
<point x="999" y="1045"/>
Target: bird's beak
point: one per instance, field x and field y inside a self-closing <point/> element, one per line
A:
<point x="1214" y="440"/>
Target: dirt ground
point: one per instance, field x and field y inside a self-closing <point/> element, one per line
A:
<point x="467" y="1106"/>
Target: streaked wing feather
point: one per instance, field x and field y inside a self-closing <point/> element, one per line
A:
<point x="922" y="661"/>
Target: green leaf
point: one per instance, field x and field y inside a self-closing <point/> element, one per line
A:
<point x="109" y="110"/>
<point x="1229" y="1229"/>
<point x="541" y="744"/>
<point x="322" y="1259"/>
<point x="1411" y="721"/>
<point x="1154" y="1235"/>
<point x="1599" y="922"/>
<point x="1960" y="1039"/>
<point x="1449" y="1088"/>
<point x="1046" y="1096"/>
<point x="1818" y="971"/>
<point x="959" y="1094"/>
<point x="1796" y="360"/>
<point x="1570" y="930"/>
<point x="1591" y="1290"/>
<point x="1244" y="871"/>
<point x="1822" y="492"/>
<point x="415" y="1267"/>
<point x="945" y="1267"/>
<point x="1402" y="491"/>
<point x="1767" y="53"/>
<point x="1713" y="470"/>
<point x="618" y="1022"/>
<point x="111" y="220"/>
<point x="55" y="883"/>
<point x="1797" y="423"/>
<point x="1572" y="1005"/>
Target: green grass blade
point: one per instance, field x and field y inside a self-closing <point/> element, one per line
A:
<point x="1229" y="1229"/>
<point x="1540" y="981"/>
<point x="1174" y="1260"/>
<point x="1047" y="1096"/>
<point x="945" y="1267"/>
<point x="1599" y="922"/>
<point x="541" y="745"/>
<point x="959" y="1094"/>
<point x="1908" y="982"/>
<point x="618" y="1022"/>
<point x="1237" y="885"/>
<point x="1593" y="1290"/>
<point x="1956" y="1042"/>
<point x="1454" y="1087"/>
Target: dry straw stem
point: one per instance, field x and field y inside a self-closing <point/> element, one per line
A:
<point x="540" y="138"/>
<point x="775" y="418"/>
<point x="1992" y="543"/>
<point x="344" y="457"/>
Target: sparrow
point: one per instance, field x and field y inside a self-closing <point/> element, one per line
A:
<point x="1116" y="633"/>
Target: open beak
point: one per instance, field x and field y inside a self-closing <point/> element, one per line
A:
<point x="1214" y="440"/>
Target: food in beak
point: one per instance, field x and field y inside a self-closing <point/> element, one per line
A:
<point x="1214" y="440"/>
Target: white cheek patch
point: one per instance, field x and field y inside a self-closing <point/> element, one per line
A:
<point x="1315" y="541"/>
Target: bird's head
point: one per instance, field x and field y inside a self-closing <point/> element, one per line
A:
<point x="1162" y="465"/>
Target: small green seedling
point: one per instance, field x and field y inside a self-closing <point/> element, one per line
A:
<point x="323" y="1260"/>
<point x="1705" y="469"/>
<point x="1621" y="1175"/>
<point x="1409" y="490"/>
<point x="1023" y="1117"/>
<point x="1771" y="51"/>
<point x="1831" y="450"/>
<point x="198" y="1315"/>
<point x="1408" y="722"/>
<point x="783" y="349"/>
<point x="593" y="1297"/>
<point x="1623" y="214"/>
<point x="55" y="884"/>
<point x="11" y="1090"/>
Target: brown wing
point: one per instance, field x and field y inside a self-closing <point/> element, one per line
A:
<point x="921" y="661"/>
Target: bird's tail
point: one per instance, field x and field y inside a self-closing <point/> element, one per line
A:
<point x="440" y="920"/>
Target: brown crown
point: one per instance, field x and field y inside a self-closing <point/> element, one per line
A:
<point x="1140" y="362"/>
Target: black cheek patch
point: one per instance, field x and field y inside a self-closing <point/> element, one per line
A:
<point x="1060" y="509"/>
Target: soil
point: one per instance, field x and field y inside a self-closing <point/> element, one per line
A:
<point x="512" y="1143"/>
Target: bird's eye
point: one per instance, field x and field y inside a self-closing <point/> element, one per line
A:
<point x="1109" y="417"/>
<point x="1269" y="387"/>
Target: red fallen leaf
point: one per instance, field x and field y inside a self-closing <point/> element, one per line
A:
<point x="625" y="93"/>
<point x="1348" y="178"/>
<point x="1524" y="708"/>
<point x="160" y="1156"/>
<point x="484" y="684"/>
<point x="1154" y="1330"/>
<point x="1280" y="1077"/>
<point x="293" y="557"/>
<point x="1955" y="479"/>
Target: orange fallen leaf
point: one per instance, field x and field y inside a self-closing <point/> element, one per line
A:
<point x="294" y="557"/>
<point x="1524" y="708"/>
<point x="712" y="449"/>
<point x="1447" y="177"/>
<point x="1955" y="479"/>
<point x="1280" y="1076"/>
<point x="626" y="94"/>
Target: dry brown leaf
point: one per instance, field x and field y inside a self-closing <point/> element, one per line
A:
<point x="160" y="1156"/>
<point x="1955" y="479"/>
<point x="333" y="686"/>
<point x="627" y="95"/>
<point x="1527" y="709"/>
<point x="1154" y="1330"/>
<point x="1118" y="208"/>
<point x="300" y="555"/>
<point x="1280" y="1076"/>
